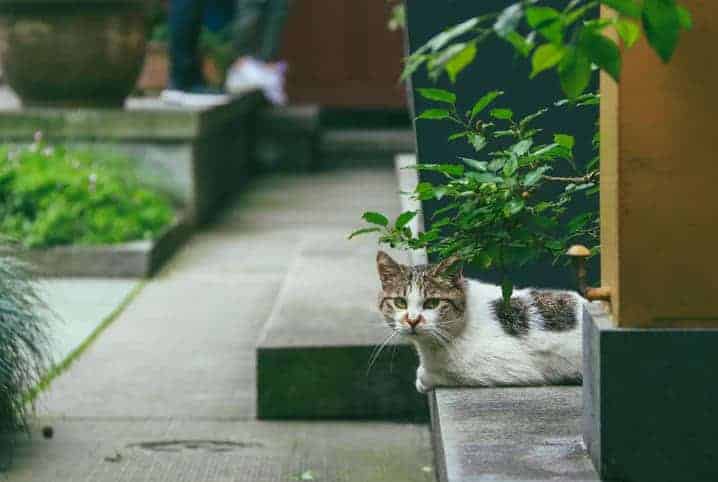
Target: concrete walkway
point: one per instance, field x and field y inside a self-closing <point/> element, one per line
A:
<point x="167" y="393"/>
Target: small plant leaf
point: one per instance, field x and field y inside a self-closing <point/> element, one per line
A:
<point x="628" y="30"/>
<point x="477" y="141"/>
<point x="484" y="102"/>
<point x="404" y="219"/>
<point x="460" y="61"/>
<point x="628" y="8"/>
<point x="361" y="231"/>
<point x="603" y="52"/>
<point x="435" y="114"/>
<point x="574" y="72"/>
<point x="662" y="24"/>
<point x="439" y="95"/>
<point x="546" y="57"/>
<point x="564" y="140"/>
<point x="478" y="165"/>
<point x="502" y="113"/>
<point x="375" y="218"/>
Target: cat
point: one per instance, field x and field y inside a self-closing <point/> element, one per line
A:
<point x="465" y="336"/>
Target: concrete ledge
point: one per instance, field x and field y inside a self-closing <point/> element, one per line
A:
<point x="361" y="146"/>
<point x="650" y="401"/>
<point x="288" y="138"/>
<point x="314" y="355"/>
<point x="127" y="260"/>
<point x="508" y="434"/>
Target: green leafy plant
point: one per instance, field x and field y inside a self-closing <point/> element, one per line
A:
<point x="569" y="41"/>
<point x="24" y="349"/>
<point x="55" y="195"/>
<point x="502" y="209"/>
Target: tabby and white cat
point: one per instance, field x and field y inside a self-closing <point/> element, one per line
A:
<point x="465" y="336"/>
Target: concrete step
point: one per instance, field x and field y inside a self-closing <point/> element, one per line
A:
<point x="340" y="147"/>
<point x="313" y="359"/>
<point x="509" y="434"/>
<point x="294" y="138"/>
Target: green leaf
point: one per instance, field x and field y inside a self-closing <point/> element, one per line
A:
<point x="439" y="95"/>
<point x="547" y="21"/>
<point x="478" y="165"/>
<point x="628" y="8"/>
<point x="564" y="140"/>
<point x="484" y="102"/>
<point x="521" y="44"/>
<point x="546" y="57"/>
<point x="511" y="166"/>
<point x="574" y="72"/>
<point x="442" y="39"/>
<point x="533" y="177"/>
<point x="435" y="114"/>
<point x="458" y="135"/>
<point x="502" y="113"/>
<point x="662" y="24"/>
<point x="628" y="30"/>
<point x="460" y="61"/>
<point x="684" y="17"/>
<point x="508" y="20"/>
<point x="603" y="52"/>
<point x="513" y="207"/>
<point x="486" y="178"/>
<point x="375" y="218"/>
<point x="477" y="141"/>
<point x="404" y="219"/>
<point x="522" y="147"/>
<point x="361" y="231"/>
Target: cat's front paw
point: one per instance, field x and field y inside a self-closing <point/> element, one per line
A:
<point x="422" y="382"/>
<point x="421" y="388"/>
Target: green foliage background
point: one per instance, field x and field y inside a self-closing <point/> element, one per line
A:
<point x="53" y="196"/>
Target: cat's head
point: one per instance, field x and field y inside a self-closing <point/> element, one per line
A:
<point x="424" y="301"/>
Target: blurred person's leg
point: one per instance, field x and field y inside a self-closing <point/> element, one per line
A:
<point x="186" y="86"/>
<point x="185" y="22"/>
<point x="258" y="31"/>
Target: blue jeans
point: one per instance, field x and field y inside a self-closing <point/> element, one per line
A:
<point x="257" y="29"/>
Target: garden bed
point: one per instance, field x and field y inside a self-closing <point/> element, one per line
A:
<point x="135" y="259"/>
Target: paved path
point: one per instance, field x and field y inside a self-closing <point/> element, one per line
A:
<point x="167" y="393"/>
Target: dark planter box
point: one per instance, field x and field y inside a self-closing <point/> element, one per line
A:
<point x="649" y="401"/>
<point x="135" y="259"/>
<point x="495" y="68"/>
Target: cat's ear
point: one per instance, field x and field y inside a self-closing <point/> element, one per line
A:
<point x="389" y="270"/>
<point x="450" y="268"/>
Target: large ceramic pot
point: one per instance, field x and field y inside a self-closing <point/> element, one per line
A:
<point x="72" y="53"/>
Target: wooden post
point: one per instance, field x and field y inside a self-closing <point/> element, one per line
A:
<point x="659" y="182"/>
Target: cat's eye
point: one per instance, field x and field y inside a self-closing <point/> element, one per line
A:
<point x="431" y="303"/>
<point x="400" y="303"/>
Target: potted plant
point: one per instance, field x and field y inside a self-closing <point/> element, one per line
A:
<point x="24" y="350"/>
<point x="72" y="53"/>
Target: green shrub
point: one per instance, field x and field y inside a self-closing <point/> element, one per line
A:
<point x="56" y="196"/>
<point x="23" y="349"/>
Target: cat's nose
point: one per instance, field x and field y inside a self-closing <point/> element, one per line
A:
<point x="414" y="321"/>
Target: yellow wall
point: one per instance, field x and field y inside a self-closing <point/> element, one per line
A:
<point x="659" y="181"/>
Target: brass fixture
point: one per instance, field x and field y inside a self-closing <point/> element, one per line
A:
<point x="578" y="254"/>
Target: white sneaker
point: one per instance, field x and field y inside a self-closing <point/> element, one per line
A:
<point x="251" y="74"/>
<point x="183" y="98"/>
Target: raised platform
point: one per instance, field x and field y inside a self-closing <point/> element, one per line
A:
<point x="136" y="259"/>
<point x="313" y="359"/>
<point x="199" y="156"/>
<point x="650" y="400"/>
<point x="509" y="434"/>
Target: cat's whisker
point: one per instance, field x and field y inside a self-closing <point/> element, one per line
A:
<point x="377" y="351"/>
